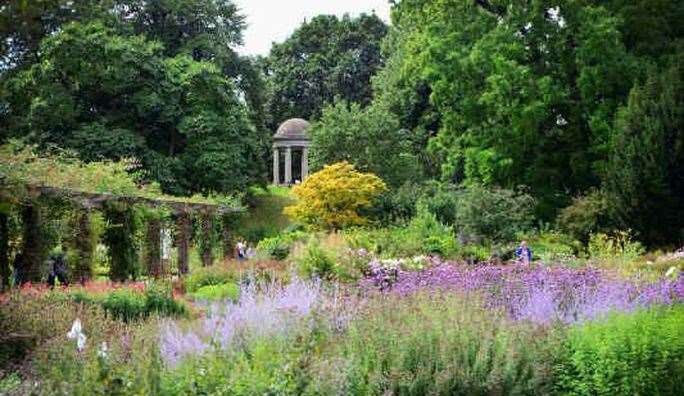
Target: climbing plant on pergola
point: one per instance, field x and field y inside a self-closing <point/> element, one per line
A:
<point x="29" y="181"/>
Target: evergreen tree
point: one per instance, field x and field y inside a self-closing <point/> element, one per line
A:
<point x="645" y="174"/>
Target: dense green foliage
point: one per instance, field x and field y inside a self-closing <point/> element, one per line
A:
<point x="644" y="172"/>
<point x="158" y="82"/>
<point x="370" y="139"/>
<point x="129" y="304"/>
<point x="208" y="276"/>
<point x="120" y="236"/>
<point x="641" y="353"/>
<point x="538" y="94"/>
<point x="325" y="58"/>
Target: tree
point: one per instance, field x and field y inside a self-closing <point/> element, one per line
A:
<point x="203" y="29"/>
<point x="526" y="91"/>
<point x="111" y="96"/>
<point x="645" y="174"/>
<point x="332" y="197"/>
<point x="324" y="58"/>
<point x="24" y="24"/>
<point x="135" y="48"/>
<point x="370" y="139"/>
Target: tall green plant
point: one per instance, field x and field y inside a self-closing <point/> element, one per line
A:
<point x="626" y="354"/>
<point x="120" y="238"/>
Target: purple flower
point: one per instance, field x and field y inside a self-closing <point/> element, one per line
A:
<point x="272" y="311"/>
<point x="539" y="294"/>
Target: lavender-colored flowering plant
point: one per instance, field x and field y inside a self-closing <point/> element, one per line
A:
<point x="540" y="294"/>
<point x="270" y="311"/>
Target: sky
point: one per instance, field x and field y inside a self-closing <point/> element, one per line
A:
<point x="274" y="20"/>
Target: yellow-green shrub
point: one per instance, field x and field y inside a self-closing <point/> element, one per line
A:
<point x="332" y="197"/>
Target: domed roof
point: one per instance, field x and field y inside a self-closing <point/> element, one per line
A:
<point x="294" y="128"/>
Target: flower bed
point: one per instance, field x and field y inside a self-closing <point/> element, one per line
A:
<point x="540" y="294"/>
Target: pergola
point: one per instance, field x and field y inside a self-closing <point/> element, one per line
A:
<point x="180" y="209"/>
<point x="291" y="137"/>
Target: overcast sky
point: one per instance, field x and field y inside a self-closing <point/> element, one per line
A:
<point x="275" y="20"/>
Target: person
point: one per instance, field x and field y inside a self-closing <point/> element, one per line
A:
<point x="241" y="249"/>
<point x="58" y="269"/>
<point x="523" y="253"/>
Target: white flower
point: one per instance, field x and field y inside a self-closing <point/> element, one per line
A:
<point x="102" y="352"/>
<point x="76" y="333"/>
<point x="75" y="329"/>
<point x="81" y="342"/>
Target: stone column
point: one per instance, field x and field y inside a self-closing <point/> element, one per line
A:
<point x="276" y="166"/>
<point x="288" y="166"/>
<point x="305" y="163"/>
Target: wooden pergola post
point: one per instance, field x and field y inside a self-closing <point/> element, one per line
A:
<point x="227" y="239"/>
<point x="4" y="252"/>
<point x="28" y="261"/>
<point x="207" y="245"/>
<point x="183" y="229"/>
<point x="83" y="242"/>
<point x="153" y="254"/>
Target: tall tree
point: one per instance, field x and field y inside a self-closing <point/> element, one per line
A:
<point x="645" y="173"/>
<point x="370" y="139"/>
<point x="110" y="96"/>
<point x="324" y="58"/>
<point x="526" y="90"/>
<point x="24" y="24"/>
<point x="132" y="94"/>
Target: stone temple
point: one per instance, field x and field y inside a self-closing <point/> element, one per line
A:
<point x="291" y="152"/>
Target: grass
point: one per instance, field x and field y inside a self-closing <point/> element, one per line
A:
<point x="265" y="217"/>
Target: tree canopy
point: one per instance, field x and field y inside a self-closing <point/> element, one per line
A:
<point x="158" y="81"/>
<point x="544" y="94"/>
<point x="325" y="58"/>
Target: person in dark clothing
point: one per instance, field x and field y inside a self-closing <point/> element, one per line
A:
<point x="19" y="269"/>
<point x="58" y="269"/>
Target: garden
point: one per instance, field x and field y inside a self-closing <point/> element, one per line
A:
<point x="333" y="303"/>
<point x="437" y="197"/>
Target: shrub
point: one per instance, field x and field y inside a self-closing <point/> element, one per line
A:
<point x="397" y="205"/>
<point x="9" y="383"/>
<point x="627" y="354"/>
<point x="442" y="201"/>
<point x="391" y="241"/>
<point x="211" y="275"/>
<point x="317" y="262"/>
<point x="618" y="248"/>
<point x="278" y="247"/>
<point x="124" y="304"/>
<point x="553" y="247"/>
<point x="493" y="213"/>
<point x="331" y="198"/>
<point x="434" y="237"/>
<point x="225" y="291"/>
<point x="129" y="305"/>
<point x="586" y="215"/>
<point x="423" y="235"/>
<point x="159" y="300"/>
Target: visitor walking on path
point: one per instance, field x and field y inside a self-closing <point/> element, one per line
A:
<point x="523" y="253"/>
<point x="241" y="247"/>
